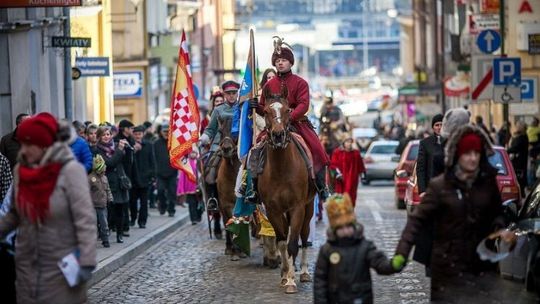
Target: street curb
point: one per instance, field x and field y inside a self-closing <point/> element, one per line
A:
<point x="127" y="254"/>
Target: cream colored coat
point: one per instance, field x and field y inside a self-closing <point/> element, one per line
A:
<point x="70" y="225"/>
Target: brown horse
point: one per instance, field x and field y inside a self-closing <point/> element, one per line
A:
<point x="286" y="189"/>
<point x="226" y="177"/>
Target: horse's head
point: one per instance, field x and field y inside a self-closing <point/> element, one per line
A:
<point x="227" y="143"/>
<point x="277" y="116"/>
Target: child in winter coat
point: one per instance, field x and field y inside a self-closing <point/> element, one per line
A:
<point x="188" y="188"/>
<point x="342" y="273"/>
<point x="101" y="194"/>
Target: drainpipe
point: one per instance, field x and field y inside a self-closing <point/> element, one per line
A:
<point x="68" y="90"/>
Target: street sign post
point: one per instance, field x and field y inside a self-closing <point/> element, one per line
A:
<point x="488" y="41"/>
<point x="482" y="76"/>
<point x="507" y="71"/>
<point x="529" y="89"/>
<point x="93" y="66"/>
<point x="507" y="94"/>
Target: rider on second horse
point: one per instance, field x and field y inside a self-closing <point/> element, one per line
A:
<point x="222" y="113"/>
<point x="298" y="98"/>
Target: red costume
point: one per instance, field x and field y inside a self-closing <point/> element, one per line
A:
<point x="298" y="97"/>
<point x="351" y="165"/>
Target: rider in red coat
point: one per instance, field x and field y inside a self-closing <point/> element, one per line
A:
<point x="348" y="164"/>
<point x="298" y="97"/>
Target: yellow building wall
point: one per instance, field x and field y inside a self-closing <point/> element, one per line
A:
<point x="92" y="22"/>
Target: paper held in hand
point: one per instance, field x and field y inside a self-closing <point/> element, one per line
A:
<point x="69" y="265"/>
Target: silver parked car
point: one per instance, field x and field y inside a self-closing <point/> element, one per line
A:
<point x="380" y="161"/>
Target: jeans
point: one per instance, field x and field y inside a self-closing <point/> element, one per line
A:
<point x="101" y="214"/>
<point x="194" y="211"/>
<point x="138" y="205"/>
<point x="167" y="194"/>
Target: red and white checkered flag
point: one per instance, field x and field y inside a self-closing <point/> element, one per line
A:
<point x="184" y="122"/>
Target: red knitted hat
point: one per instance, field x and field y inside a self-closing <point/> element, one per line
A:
<point x="39" y="130"/>
<point x="285" y="54"/>
<point x="469" y="142"/>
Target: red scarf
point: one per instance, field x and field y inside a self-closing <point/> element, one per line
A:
<point x="35" y="188"/>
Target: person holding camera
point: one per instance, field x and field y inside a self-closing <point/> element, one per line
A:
<point x="113" y="154"/>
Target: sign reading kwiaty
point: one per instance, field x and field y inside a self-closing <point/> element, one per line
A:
<point x="68" y="42"/>
<point x="39" y="3"/>
<point x="127" y="84"/>
<point x="93" y="66"/>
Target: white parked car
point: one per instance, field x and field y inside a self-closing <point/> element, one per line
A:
<point x="380" y="160"/>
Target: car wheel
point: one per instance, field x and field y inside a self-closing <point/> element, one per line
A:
<point x="400" y="204"/>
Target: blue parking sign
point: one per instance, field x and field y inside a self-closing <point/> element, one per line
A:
<point x="529" y="88"/>
<point x="507" y="71"/>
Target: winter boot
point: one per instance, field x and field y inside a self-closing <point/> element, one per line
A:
<point x="320" y="183"/>
<point x="253" y="197"/>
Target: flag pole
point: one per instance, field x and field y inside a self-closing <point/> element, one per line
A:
<point x="254" y="88"/>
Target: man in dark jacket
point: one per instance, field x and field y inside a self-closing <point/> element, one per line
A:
<point x="342" y="274"/>
<point x="430" y="161"/>
<point x="143" y="172"/>
<point x="519" y="154"/>
<point x="166" y="175"/>
<point x="9" y="146"/>
<point x="125" y="132"/>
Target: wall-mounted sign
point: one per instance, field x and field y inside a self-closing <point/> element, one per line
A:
<point x="481" y="22"/>
<point x="128" y="84"/>
<point x="534" y="44"/>
<point x="68" y="42"/>
<point x="490" y="6"/>
<point x="93" y="66"/>
<point x="39" y="3"/>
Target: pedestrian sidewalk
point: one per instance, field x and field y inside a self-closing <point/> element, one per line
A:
<point x="157" y="228"/>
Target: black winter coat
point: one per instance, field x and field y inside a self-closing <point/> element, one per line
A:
<point x="161" y="154"/>
<point x="113" y="172"/>
<point x="129" y="158"/>
<point x="9" y="146"/>
<point x="143" y="167"/>
<point x="430" y="161"/>
<point x="342" y="274"/>
<point x="519" y="152"/>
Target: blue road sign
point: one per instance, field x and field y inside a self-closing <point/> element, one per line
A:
<point x="529" y="87"/>
<point x="93" y="66"/>
<point x="507" y="71"/>
<point x="488" y="41"/>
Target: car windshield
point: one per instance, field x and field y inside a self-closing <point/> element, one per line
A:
<point x="413" y="152"/>
<point x="383" y="149"/>
<point x="497" y="161"/>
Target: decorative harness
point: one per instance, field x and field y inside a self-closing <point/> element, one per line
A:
<point x="276" y="105"/>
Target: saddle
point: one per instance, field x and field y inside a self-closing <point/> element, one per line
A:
<point x="257" y="155"/>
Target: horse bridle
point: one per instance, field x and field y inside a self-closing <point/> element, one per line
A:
<point x="277" y="119"/>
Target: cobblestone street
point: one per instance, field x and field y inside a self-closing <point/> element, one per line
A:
<point x="188" y="267"/>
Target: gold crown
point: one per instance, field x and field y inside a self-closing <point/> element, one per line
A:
<point x="340" y="210"/>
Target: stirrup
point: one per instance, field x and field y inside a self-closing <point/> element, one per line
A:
<point x="212" y="204"/>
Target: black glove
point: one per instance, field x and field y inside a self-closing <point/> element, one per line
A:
<point x="253" y="103"/>
<point x="85" y="273"/>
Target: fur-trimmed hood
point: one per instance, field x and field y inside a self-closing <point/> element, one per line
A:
<point x="452" y="142"/>
<point x="66" y="132"/>
<point x="453" y="119"/>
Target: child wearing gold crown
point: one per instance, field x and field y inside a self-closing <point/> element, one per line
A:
<point x="342" y="273"/>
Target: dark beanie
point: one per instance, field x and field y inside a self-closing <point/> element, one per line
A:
<point x="437" y="118"/>
<point x="285" y="54"/>
<point x="39" y="130"/>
